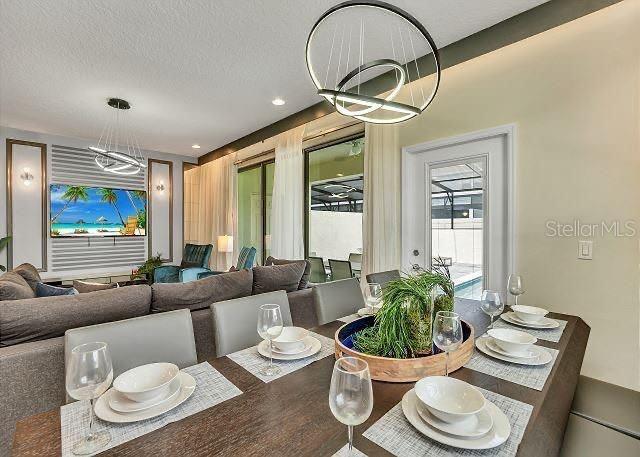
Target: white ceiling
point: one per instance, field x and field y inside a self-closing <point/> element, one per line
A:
<point x="195" y="71"/>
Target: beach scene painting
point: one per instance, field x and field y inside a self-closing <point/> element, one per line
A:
<point x="81" y="211"/>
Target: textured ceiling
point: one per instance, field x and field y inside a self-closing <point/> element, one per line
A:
<point x="195" y="71"/>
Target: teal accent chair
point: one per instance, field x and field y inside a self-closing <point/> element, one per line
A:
<point x="246" y="259"/>
<point x="195" y="260"/>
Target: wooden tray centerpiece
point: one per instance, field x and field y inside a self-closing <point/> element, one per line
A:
<point x="397" y="342"/>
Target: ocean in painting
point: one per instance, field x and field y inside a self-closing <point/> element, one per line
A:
<point x="79" y="211"/>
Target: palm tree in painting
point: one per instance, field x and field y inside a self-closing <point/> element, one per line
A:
<point x="109" y="196"/>
<point x="72" y="195"/>
<point x="142" y="196"/>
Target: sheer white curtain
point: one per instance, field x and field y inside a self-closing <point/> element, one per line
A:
<point x="287" y="210"/>
<point x="215" y="209"/>
<point x="382" y="212"/>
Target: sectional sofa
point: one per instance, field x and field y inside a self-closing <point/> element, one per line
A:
<point x="32" y="329"/>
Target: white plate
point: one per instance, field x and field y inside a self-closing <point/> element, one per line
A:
<point x="543" y="357"/>
<point x="314" y="348"/>
<point x="472" y="427"/>
<point x="528" y="354"/>
<point x="305" y="347"/>
<point x="495" y="437"/>
<point x="120" y="403"/>
<point x="104" y="412"/>
<point x="545" y="323"/>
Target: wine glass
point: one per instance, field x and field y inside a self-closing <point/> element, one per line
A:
<point x="491" y="304"/>
<point x="447" y="334"/>
<point x="373" y="295"/>
<point x="515" y="286"/>
<point x="270" y="328"/>
<point x="351" y="393"/>
<point x="89" y="375"/>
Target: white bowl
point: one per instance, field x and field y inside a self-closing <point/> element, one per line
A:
<point x="512" y="341"/>
<point x="449" y="399"/>
<point x="146" y="382"/>
<point x="529" y="314"/>
<point x="291" y="339"/>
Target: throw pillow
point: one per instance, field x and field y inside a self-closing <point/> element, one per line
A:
<point x="14" y="287"/>
<point x="45" y="290"/>
<point x="304" y="281"/>
<point x="277" y="277"/>
<point x="202" y="293"/>
<point x="84" y="287"/>
<point x="29" y="273"/>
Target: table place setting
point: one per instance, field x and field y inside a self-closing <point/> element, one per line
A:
<point x="444" y="416"/>
<point x="540" y="326"/>
<point x="142" y="399"/>
<point x="291" y="347"/>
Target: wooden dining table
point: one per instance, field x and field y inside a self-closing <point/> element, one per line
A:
<point x="291" y="415"/>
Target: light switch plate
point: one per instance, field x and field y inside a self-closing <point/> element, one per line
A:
<point x="585" y="250"/>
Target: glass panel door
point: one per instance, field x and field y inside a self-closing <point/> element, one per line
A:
<point x="457" y="196"/>
<point x="250" y="210"/>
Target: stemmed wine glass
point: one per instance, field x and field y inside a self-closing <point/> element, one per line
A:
<point x="491" y="304"/>
<point x="270" y="328"/>
<point x="89" y="375"/>
<point x="515" y="286"/>
<point x="447" y="334"/>
<point x="373" y="294"/>
<point x="351" y="394"/>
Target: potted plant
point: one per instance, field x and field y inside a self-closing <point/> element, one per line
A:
<point x="402" y="327"/>
<point x="146" y="269"/>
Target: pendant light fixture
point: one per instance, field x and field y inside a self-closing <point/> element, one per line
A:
<point x="357" y="41"/>
<point x="117" y="150"/>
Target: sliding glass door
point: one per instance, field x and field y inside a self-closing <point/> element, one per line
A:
<point x="334" y="179"/>
<point x="255" y="190"/>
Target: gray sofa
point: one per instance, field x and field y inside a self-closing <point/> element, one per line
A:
<point x="32" y="329"/>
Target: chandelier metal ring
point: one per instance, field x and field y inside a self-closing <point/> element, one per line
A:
<point x="372" y="103"/>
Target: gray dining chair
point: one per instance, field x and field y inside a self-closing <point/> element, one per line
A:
<point x="318" y="273"/>
<point x="235" y="321"/>
<point x="162" y="337"/>
<point x="336" y="299"/>
<point x="340" y="269"/>
<point x="383" y="277"/>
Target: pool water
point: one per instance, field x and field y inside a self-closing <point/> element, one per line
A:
<point x="470" y="289"/>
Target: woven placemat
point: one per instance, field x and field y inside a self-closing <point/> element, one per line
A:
<point x="348" y="319"/>
<point x="344" y="452"/>
<point x="394" y="433"/>
<point x="553" y="334"/>
<point x="251" y="360"/>
<point x="211" y="389"/>
<point x="530" y="376"/>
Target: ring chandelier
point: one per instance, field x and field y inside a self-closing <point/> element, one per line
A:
<point x="118" y="150"/>
<point x="359" y="38"/>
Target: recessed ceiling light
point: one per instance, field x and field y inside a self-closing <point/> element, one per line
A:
<point x="196" y="146"/>
<point x="278" y="101"/>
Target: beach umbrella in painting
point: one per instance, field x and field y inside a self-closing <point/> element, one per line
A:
<point x="80" y="222"/>
<point x="102" y="220"/>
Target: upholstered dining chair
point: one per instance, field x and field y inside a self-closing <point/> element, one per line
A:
<point x="383" y="277"/>
<point x="318" y="273"/>
<point x="195" y="259"/>
<point x="235" y="321"/>
<point x="162" y="337"/>
<point x="336" y="299"/>
<point x="340" y="269"/>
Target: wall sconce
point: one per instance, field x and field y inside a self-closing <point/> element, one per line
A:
<point x="160" y="187"/>
<point x="26" y="176"/>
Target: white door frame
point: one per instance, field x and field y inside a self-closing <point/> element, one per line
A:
<point x="508" y="131"/>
